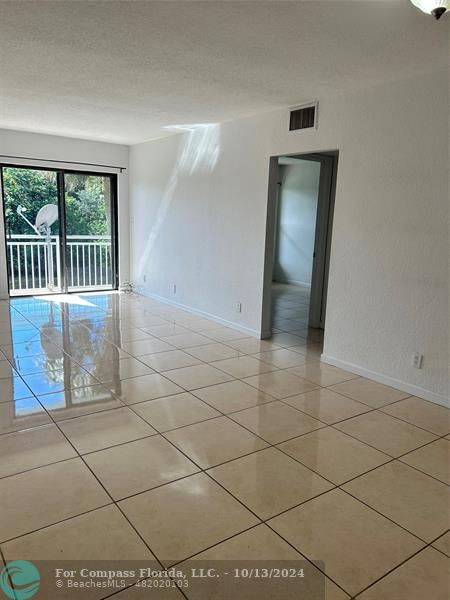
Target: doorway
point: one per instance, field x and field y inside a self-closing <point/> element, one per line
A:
<point x="60" y="230"/>
<point x="298" y="242"/>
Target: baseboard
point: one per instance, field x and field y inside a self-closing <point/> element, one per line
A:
<point x="195" y="311"/>
<point x="409" y="388"/>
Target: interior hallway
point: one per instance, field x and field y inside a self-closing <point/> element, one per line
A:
<point x="290" y="311"/>
<point x="135" y="430"/>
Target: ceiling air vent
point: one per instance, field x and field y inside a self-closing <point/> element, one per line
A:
<point x="303" y="117"/>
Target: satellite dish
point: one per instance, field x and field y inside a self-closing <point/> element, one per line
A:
<point x="45" y="218"/>
<point x="47" y="215"/>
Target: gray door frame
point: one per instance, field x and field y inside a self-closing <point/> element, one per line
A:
<point x="322" y="246"/>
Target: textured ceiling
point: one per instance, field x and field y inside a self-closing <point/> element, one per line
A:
<point x="121" y="71"/>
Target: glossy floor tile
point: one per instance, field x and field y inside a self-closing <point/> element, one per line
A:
<point x="433" y="459"/>
<point x="23" y="349"/>
<point x="286" y="340"/>
<point x="134" y="430"/>
<point x="276" y="421"/>
<point x="212" y="352"/>
<point x="171" y="359"/>
<point x="46" y="495"/>
<point x="126" y="469"/>
<point x="368" y="392"/>
<point x="282" y="358"/>
<point x="424" y="414"/>
<point x="180" y="519"/>
<point x="145" y="387"/>
<point x="224" y="334"/>
<point x="186" y="340"/>
<point x="259" y="546"/>
<point x="31" y="448"/>
<point x="102" y="537"/>
<point x="106" y="428"/>
<point x="412" y="499"/>
<point x="251" y="345"/>
<point x="214" y="441"/>
<point x="327" y="406"/>
<point x="386" y="433"/>
<point x="125" y="368"/>
<point x="22" y="414"/>
<point x="81" y="401"/>
<point x="6" y="370"/>
<point x="269" y="482"/>
<point x="443" y="543"/>
<point x="30" y="365"/>
<point x="198" y="376"/>
<point x="337" y="528"/>
<point x="57" y="381"/>
<point x="321" y="374"/>
<point x="176" y="411"/>
<point x="141" y="347"/>
<point x="243" y="366"/>
<point x="280" y="384"/>
<point x="12" y="389"/>
<point x="425" y="575"/>
<point x="333" y="454"/>
<point x="100" y="534"/>
<point x="232" y="396"/>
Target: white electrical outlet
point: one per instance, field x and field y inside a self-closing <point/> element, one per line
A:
<point x="417" y="360"/>
<point x="238" y="307"/>
<point x="174" y="288"/>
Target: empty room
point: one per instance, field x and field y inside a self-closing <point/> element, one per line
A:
<point x="224" y="299"/>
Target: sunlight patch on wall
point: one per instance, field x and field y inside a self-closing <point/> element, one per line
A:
<point x="200" y="148"/>
<point x="198" y="153"/>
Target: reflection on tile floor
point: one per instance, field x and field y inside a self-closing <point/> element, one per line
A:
<point x="131" y="429"/>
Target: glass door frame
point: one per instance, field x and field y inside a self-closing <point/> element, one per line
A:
<point x="60" y="179"/>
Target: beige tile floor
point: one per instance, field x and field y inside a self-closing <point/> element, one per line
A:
<point x="133" y="430"/>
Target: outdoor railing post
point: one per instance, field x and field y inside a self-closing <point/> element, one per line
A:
<point x="34" y="247"/>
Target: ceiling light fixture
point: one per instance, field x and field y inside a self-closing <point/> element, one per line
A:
<point x="433" y="7"/>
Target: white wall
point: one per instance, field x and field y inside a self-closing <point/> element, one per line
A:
<point x="198" y="219"/>
<point x="296" y="222"/>
<point x="193" y="220"/>
<point x="34" y="146"/>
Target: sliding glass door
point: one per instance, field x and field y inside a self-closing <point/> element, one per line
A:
<point x="89" y="232"/>
<point x="32" y="230"/>
<point x="60" y="230"/>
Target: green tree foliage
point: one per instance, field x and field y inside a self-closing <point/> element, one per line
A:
<point x="31" y="189"/>
<point x="86" y="212"/>
<point x="87" y="200"/>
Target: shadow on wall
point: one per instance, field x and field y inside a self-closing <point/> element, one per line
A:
<point x="280" y="275"/>
<point x="296" y="221"/>
<point x="198" y="152"/>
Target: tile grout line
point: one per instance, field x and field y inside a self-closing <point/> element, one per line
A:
<point x="112" y="503"/>
<point x="270" y="445"/>
<point x="292" y="507"/>
<point x="116" y="503"/>
<point x="428" y="545"/>
<point x="289" y="439"/>
<point x="205" y="471"/>
<point x="79" y="457"/>
<point x="243" y="378"/>
<point x="227" y="415"/>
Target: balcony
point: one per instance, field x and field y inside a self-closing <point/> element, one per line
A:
<point x="88" y="264"/>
